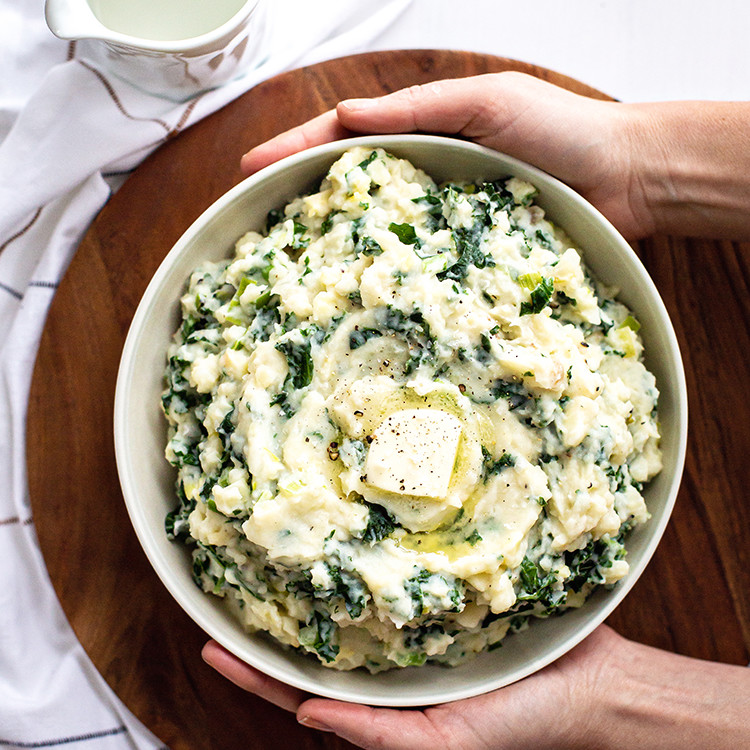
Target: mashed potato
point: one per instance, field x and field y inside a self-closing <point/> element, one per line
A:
<point x="406" y="420"/>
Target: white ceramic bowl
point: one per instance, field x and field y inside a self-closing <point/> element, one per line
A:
<point x="148" y="481"/>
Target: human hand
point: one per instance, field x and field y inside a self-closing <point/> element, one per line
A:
<point x="607" y="692"/>
<point x="670" y="167"/>
<point x="584" y="142"/>
<point x="552" y="709"/>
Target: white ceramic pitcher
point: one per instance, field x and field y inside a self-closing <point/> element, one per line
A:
<point x="170" y="48"/>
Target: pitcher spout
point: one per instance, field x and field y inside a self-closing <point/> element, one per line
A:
<point x="73" y="20"/>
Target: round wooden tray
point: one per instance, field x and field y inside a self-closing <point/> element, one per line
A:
<point x="693" y="598"/>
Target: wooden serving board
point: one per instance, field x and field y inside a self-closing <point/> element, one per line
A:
<point x="694" y="597"/>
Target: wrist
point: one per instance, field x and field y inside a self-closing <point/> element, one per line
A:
<point x="659" y="699"/>
<point x="689" y="170"/>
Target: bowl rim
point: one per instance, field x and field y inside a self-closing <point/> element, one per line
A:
<point x="222" y="634"/>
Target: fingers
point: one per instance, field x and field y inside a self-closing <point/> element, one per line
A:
<point x="511" y="112"/>
<point x="476" y="107"/>
<point x="480" y="107"/>
<point x="322" y="129"/>
<point x="250" y="679"/>
<point x="465" y="106"/>
<point x="373" y="727"/>
<point x="439" y="107"/>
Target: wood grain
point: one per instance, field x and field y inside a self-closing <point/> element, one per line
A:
<point x="694" y="597"/>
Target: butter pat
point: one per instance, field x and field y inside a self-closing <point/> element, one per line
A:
<point x="413" y="453"/>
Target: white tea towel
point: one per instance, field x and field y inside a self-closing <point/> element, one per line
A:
<point x="68" y="131"/>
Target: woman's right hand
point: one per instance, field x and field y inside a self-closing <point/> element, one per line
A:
<point x="672" y="167"/>
<point x="580" y="140"/>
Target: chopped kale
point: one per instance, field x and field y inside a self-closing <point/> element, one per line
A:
<point x="281" y="400"/>
<point x="434" y="207"/>
<point x="499" y="195"/>
<point x="586" y="564"/>
<point x="319" y="634"/>
<point x="406" y="233"/>
<point x="184" y="455"/>
<point x="543" y="239"/>
<point x="415" y="330"/>
<point x="299" y="239"/>
<point x="380" y="524"/>
<point x="493" y="466"/>
<point x="346" y="585"/>
<point x="176" y="523"/>
<point x="299" y="361"/>
<point x="360" y="336"/>
<point x="301" y="585"/>
<point x="423" y="600"/>
<point x="483" y="352"/>
<point x="327" y="223"/>
<point x="474" y="537"/>
<point x="189" y="324"/>
<point x="204" y="307"/>
<point x="367" y="246"/>
<point x="539" y="586"/>
<point x="469" y="253"/>
<point x="262" y="327"/>
<point x="226" y="428"/>
<point x="267" y="316"/>
<point x="514" y="391"/>
<point x="539" y="297"/>
<point x="180" y="396"/>
<point x="350" y="588"/>
<point x="213" y="572"/>
<point x="618" y="480"/>
<point x="468" y="239"/>
<point x="265" y="271"/>
<point x="562" y="299"/>
<point x="414" y="589"/>
<point x="415" y="638"/>
<point x="273" y="217"/>
<point x="208" y="484"/>
<point x="307" y="269"/>
<point x="369" y="160"/>
<point x="363" y="244"/>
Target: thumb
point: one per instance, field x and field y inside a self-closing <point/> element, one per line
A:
<point x="368" y="727"/>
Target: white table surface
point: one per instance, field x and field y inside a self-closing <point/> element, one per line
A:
<point x="633" y="50"/>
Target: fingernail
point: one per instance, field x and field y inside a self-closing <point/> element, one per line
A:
<point x="307" y="721"/>
<point x="357" y="105"/>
